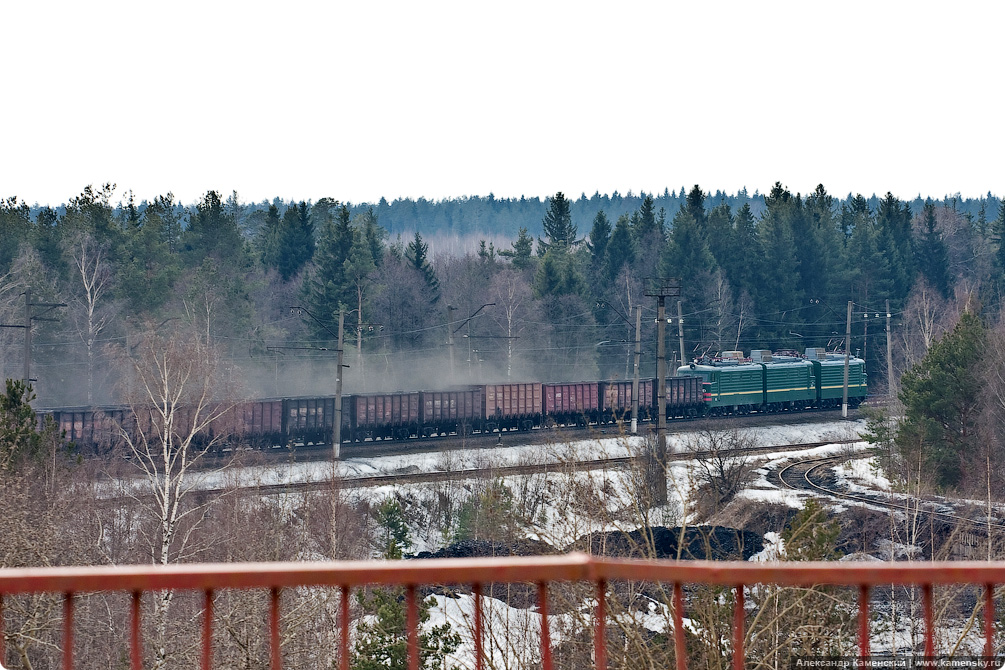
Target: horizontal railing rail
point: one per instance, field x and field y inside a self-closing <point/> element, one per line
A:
<point x="477" y="572"/>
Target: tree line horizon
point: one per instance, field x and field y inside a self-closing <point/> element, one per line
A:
<point x="772" y="271"/>
<point x="470" y="214"/>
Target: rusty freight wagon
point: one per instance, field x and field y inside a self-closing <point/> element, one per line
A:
<point x="616" y="400"/>
<point x="383" y="416"/>
<point x="457" y="411"/>
<point x="512" y="406"/>
<point x="685" y="397"/>
<point x="573" y="403"/>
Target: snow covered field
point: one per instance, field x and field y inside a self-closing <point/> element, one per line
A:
<point x="446" y="461"/>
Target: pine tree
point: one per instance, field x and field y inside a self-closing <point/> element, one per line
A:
<point x="382" y="637"/>
<point x="149" y="266"/>
<point x="15" y="230"/>
<point x="942" y="397"/>
<point x="811" y="536"/>
<point x="522" y="252"/>
<point x="20" y="436"/>
<point x="212" y="232"/>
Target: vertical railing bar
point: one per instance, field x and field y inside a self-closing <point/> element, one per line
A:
<point x="863" y="622"/>
<point x="738" y="621"/>
<point x="926" y="599"/>
<point x="68" y="631"/>
<point x="207" y="631"/>
<point x="680" y="650"/>
<point x="478" y="626"/>
<point x="600" y="633"/>
<point x="3" y="646"/>
<point x="542" y="604"/>
<point x="277" y="657"/>
<point x="135" y="641"/>
<point x="413" y="628"/>
<point x="989" y="620"/>
<point x="343" y="643"/>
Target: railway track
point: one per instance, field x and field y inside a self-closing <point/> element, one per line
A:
<point x="406" y="477"/>
<point x="809" y="475"/>
<point x="556" y="434"/>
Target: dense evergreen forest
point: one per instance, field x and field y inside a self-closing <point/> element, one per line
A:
<point x="480" y="288"/>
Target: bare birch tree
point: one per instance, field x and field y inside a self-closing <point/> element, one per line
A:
<point x="511" y="292"/>
<point x="91" y="265"/>
<point x="175" y="394"/>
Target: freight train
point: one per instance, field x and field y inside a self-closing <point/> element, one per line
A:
<point x="724" y="385"/>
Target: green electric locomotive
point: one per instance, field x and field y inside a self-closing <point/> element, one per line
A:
<point x="766" y="382"/>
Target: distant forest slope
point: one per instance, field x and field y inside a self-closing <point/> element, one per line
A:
<point x="488" y="215"/>
<point x="480" y="288"/>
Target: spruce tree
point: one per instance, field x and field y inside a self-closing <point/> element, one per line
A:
<point x="597" y="241"/>
<point x="416" y="254"/>
<point x="893" y="221"/>
<point x="620" y="249"/>
<point x="557" y="224"/>
<point x="328" y="285"/>
<point x="268" y="238"/>
<point x="933" y="257"/>
<point x="644" y="226"/>
<point x="296" y="240"/>
<point x="998" y="226"/>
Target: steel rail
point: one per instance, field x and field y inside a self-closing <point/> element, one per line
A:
<point x="821" y="462"/>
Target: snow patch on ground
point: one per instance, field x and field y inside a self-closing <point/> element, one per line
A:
<point x="862" y="474"/>
<point x="774" y="549"/>
<point x="556" y="453"/>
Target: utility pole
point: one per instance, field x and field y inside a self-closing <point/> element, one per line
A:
<point x="635" y="379"/>
<point x="889" y="355"/>
<point x="27" y="336"/>
<point x="340" y="338"/>
<point x="661" y="289"/>
<point x="28" y="319"/>
<point x="847" y="356"/>
<point x="337" y="433"/>
<point x="680" y="333"/>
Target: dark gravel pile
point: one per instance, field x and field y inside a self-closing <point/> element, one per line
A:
<point x="481" y="548"/>
<point x="716" y="543"/>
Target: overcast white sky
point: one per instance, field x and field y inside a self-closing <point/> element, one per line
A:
<point x="363" y="99"/>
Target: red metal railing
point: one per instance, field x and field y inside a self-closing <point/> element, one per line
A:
<point x="209" y="578"/>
